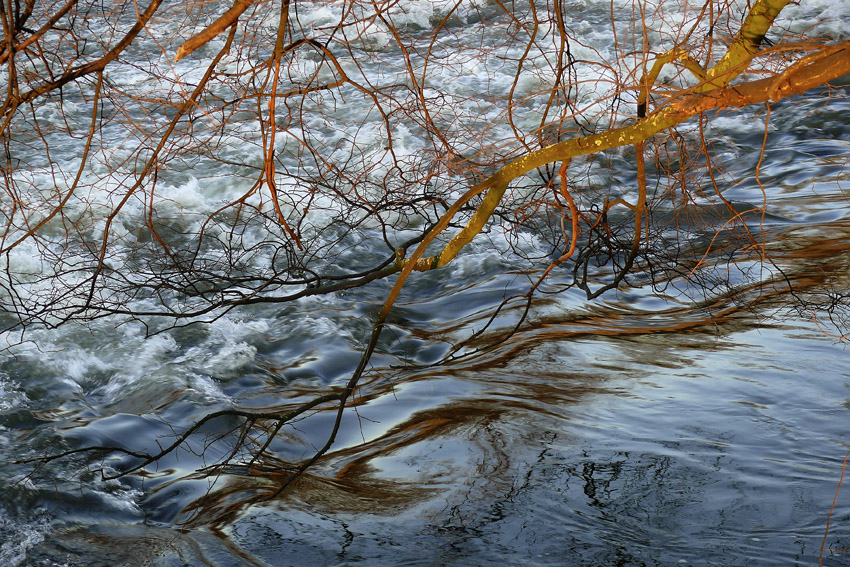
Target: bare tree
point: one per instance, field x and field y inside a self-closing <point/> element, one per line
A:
<point x="318" y="132"/>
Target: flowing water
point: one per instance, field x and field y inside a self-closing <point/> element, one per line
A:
<point x="636" y="429"/>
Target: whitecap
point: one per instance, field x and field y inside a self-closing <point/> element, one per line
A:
<point x="10" y="395"/>
<point x="19" y="537"/>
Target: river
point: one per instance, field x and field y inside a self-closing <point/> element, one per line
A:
<point x="646" y="427"/>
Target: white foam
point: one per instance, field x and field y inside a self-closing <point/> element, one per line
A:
<point x="10" y="395"/>
<point x="313" y="15"/>
<point x="19" y="538"/>
<point x="187" y="197"/>
<point x="323" y="326"/>
<point x="225" y="350"/>
<point x="140" y="360"/>
<point x="207" y="387"/>
<point x="823" y="18"/>
<point x="418" y="13"/>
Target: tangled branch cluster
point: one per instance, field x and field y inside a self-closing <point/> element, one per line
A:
<point x="168" y="163"/>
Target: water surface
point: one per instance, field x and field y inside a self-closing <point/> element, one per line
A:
<point x="701" y="421"/>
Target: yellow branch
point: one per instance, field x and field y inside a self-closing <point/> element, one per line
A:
<point x="745" y="46"/>
<point x="818" y="69"/>
<point x="821" y="68"/>
<point x="813" y="70"/>
<point x="675" y="54"/>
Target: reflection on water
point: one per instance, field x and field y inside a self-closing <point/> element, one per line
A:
<point x="700" y="450"/>
<point x="645" y="448"/>
<point x="628" y="431"/>
<point x="634" y="430"/>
